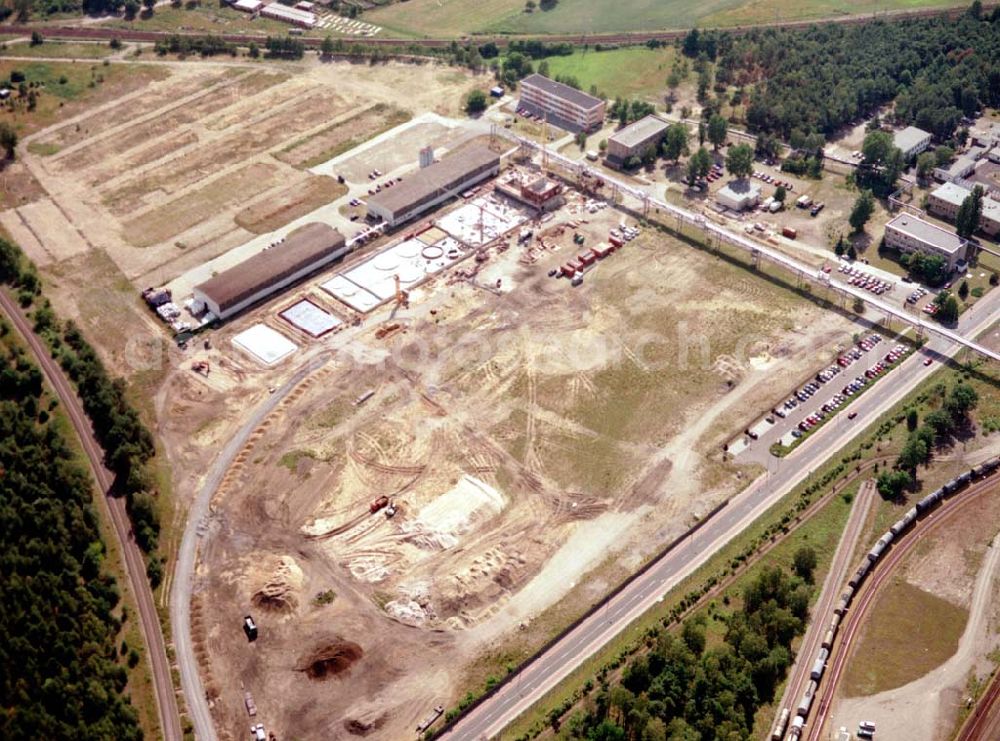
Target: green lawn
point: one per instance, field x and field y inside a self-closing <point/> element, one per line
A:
<point x="633" y="72"/>
<point x="457" y="17"/>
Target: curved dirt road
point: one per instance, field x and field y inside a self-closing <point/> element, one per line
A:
<point x="180" y="595"/>
<point x="134" y="562"/>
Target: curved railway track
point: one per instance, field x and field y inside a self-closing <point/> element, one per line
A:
<point x="878" y="575"/>
<point x="133" y="560"/>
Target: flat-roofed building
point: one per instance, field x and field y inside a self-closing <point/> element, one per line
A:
<point x="434" y="184"/>
<point x="739" y="195"/>
<point x="302" y="252"/>
<point x="278" y="12"/>
<point x="960" y="168"/>
<point x="564" y="105"/>
<point x="911" y="141"/>
<point x="909" y="234"/>
<point x="945" y="201"/>
<point x="635" y="139"/>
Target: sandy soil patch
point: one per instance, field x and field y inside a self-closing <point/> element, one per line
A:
<point x="62" y="239"/>
<point x="181" y="214"/>
<point x="343" y="136"/>
<point x="169" y="91"/>
<point x="289" y="204"/>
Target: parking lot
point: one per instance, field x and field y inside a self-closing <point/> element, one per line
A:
<point x="823" y="397"/>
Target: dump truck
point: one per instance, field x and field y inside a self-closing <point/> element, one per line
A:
<point x="429" y="720"/>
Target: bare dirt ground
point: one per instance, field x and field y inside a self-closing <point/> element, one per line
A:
<point x="525" y="436"/>
<point x="959" y="565"/>
<point x="193" y="164"/>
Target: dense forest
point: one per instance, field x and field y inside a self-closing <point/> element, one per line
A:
<point x="59" y="673"/>
<point x="816" y="80"/>
<point x="128" y="445"/>
<point x="687" y="687"/>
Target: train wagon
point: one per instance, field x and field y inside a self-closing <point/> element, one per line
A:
<point x="807" y="699"/>
<point x="816" y="673"/>
<point x="860" y="574"/>
<point x="930" y="500"/>
<point x="828" y="639"/>
<point x="780" y="725"/>
<point x="797" y="723"/>
<point x="842" y="604"/>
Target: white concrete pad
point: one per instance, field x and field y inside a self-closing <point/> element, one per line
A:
<point x="264" y="344"/>
<point x="311" y="319"/>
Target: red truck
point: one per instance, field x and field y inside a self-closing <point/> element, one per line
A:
<point x="378" y="504"/>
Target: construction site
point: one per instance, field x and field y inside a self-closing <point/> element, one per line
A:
<point x="487" y="434"/>
<point x="489" y="407"/>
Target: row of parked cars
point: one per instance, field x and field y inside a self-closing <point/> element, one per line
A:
<point x="918" y="293"/>
<point x="774" y="181"/>
<point x="861" y="279"/>
<point x="715" y="173"/>
<point x="824" y="376"/>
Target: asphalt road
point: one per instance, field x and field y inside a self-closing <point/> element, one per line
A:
<point x="527" y="686"/>
<point x="134" y="562"/>
<point x="180" y="595"/>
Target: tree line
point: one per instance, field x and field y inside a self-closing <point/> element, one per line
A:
<point x="128" y="445"/>
<point x="937" y="70"/>
<point x="939" y="425"/>
<point x="60" y="673"/>
<point x="687" y="687"/>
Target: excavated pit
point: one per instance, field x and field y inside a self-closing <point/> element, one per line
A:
<point x="330" y="660"/>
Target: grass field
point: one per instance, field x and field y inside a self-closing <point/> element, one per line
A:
<point x="634" y="72"/>
<point x="67" y="87"/>
<point x="904" y="616"/>
<point x="66" y="50"/>
<point x="457" y="17"/>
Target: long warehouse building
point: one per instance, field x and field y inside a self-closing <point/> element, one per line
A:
<point x="303" y="251"/>
<point x="434" y="184"/>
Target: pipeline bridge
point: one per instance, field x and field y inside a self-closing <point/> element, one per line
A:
<point x="756" y="250"/>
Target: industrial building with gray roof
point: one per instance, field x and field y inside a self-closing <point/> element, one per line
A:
<point x="302" y="252"/>
<point x="434" y="184"/>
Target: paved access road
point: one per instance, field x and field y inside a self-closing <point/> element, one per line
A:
<point x="134" y="562"/>
<point x="527" y="686"/>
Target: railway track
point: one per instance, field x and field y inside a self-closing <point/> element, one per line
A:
<point x="132" y="557"/>
<point x="641" y="37"/>
<point x="872" y="588"/>
<point x="983" y="724"/>
<point x="840" y="566"/>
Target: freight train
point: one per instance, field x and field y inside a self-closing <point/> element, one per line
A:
<point x="926" y="504"/>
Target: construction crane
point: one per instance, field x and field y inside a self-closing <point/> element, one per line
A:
<point x="402" y="298"/>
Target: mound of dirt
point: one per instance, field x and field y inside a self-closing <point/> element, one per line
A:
<point x="278" y="593"/>
<point x="330" y="659"/>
